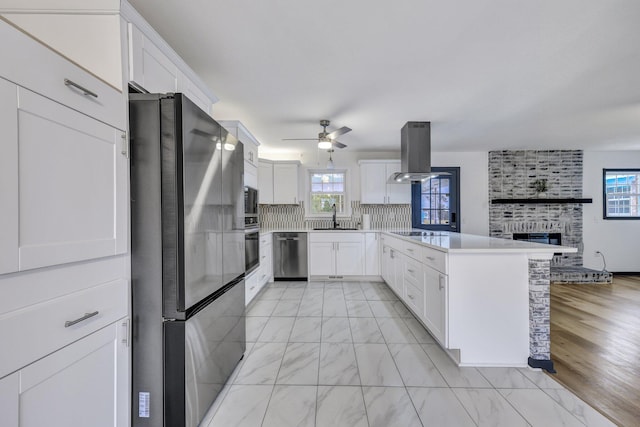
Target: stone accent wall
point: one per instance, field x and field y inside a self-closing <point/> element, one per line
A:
<point x="292" y="216"/>
<point x="539" y="309"/>
<point x="512" y="175"/>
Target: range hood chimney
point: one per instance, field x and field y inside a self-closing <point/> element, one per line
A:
<point x="415" y="154"/>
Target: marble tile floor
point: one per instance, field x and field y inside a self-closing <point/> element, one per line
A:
<point x="333" y="354"/>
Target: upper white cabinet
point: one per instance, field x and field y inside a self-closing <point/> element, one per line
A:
<point x="64" y="169"/>
<point x="265" y="182"/>
<point x="285" y="183"/>
<point x="149" y="67"/>
<point x="250" y="144"/>
<point x="373" y="183"/>
<point x="278" y="182"/>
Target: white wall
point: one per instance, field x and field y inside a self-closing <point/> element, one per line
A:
<point x="618" y="240"/>
<point x="473" y="177"/>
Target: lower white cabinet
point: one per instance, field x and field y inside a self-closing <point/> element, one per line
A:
<point x="371" y="254"/>
<point x="251" y="286"/>
<point x="435" y="306"/>
<point x="85" y="383"/>
<point x="266" y="259"/>
<point x="336" y="254"/>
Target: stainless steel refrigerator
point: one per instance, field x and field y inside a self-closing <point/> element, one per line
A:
<point x="187" y="263"/>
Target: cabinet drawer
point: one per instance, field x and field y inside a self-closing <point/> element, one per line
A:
<point x="251" y="286"/>
<point x="435" y="259"/>
<point x="414" y="297"/>
<point x="413" y="271"/>
<point x="412" y="250"/>
<point x="40" y="329"/>
<point x="60" y="79"/>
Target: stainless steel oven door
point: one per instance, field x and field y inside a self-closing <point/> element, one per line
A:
<point x="251" y="249"/>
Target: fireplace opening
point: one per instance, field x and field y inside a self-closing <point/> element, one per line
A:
<point x="546" y="238"/>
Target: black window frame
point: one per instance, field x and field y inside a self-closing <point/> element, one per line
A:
<point x="605" y="214"/>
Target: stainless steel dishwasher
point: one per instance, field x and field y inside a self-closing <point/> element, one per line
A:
<point x="290" y="256"/>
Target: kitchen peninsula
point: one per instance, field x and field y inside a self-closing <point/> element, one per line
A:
<point x="484" y="299"/>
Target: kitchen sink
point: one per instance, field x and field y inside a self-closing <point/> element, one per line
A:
<point x="334" y="229"/>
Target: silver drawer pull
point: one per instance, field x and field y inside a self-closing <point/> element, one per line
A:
<point x="411" y="271"/>
<point x="410" y="296"/>
<point x="80" y="319"/>
<point x="431" y="258"/>
<point x="68" y="82"/>
<point x="410" y="250"/>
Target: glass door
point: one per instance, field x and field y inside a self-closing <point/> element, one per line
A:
<point x="435" y="203"/>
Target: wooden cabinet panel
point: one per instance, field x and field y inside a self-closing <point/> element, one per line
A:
<point x="72" y="185"/>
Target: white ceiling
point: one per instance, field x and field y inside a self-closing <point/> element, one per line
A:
<point x="490" y="74"/>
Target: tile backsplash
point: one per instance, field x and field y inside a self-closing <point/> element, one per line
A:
<point x="292" y="217"/>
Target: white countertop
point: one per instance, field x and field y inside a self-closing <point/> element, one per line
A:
<point x="453" y="242"/>
<point x="471" y="243"/>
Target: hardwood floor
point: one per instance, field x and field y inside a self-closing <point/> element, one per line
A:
<point x="595" y="345"/>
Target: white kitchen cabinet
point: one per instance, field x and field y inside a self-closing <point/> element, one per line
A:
<point x="278" y="182"/>
<point x="251" y="287"/>
<point x="250" y="146"/>
<point x="336" y="254"/>
<point x="85" y="383"/>
<point x="66" y="183"/>
<point x="371" y="254"/>
<point x="435" y="306"/>
<point x="373" y="183"/>
<point x="193" y="92"/>
<point x="149" y="67"/>
<point x="285" y="183"/>
<point x="266" y="259"/>
<point x="265" y="182"/>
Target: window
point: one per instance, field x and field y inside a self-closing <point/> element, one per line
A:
<point x="327" y="187"/>
<point x="621" y="193"/>
<point x="435" y="201"/>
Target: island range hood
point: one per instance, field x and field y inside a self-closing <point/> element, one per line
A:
<point x="415" y="154"/>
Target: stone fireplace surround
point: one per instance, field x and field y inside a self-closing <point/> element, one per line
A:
<point x="512" y="175"/>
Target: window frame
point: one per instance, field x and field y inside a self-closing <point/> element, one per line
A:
<point x="347" y="194"/>
<point x="605" y="214"/>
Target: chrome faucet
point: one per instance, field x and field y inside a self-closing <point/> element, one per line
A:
<point x="335" y="223"/>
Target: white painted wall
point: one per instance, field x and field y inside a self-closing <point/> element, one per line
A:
<point x="618" y="240"/>
<point x="474" y="195"/>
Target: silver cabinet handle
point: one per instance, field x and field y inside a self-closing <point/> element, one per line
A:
<point x="431" y="258"/>
<point x="410" y="250"/>
<point x="68" y="82"/>
<point x="411" y="271"/>
<point x="410" y="296"/>
<point x="441" y="284"/>
<point x="80" y="319"/>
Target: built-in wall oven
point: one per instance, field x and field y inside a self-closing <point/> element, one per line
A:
<point x="252" y="230"/>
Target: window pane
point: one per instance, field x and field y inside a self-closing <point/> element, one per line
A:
<point x="622" y="188"/>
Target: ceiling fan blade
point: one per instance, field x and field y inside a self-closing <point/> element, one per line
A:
<point x="336" y="133"/>
<point x="299" y="139"/>
<point x="337" y="144"/>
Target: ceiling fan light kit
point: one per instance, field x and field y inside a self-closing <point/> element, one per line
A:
<point x="326" y="140"/>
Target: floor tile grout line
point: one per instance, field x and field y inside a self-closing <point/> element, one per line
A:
<point x="355" y="357"/>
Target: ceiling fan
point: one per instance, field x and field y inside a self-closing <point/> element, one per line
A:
<point x="326" y="140"/>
